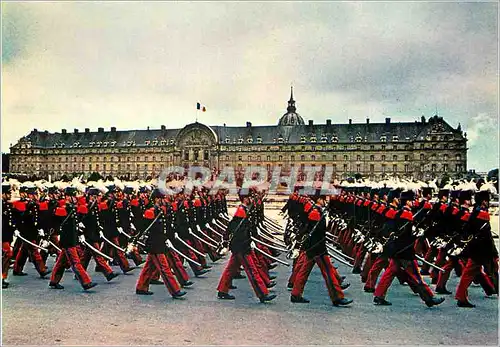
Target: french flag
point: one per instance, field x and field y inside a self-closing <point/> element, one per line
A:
<point x="201" y="107"/>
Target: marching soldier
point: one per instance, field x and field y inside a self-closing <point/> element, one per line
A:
<point x="8" y="228"/>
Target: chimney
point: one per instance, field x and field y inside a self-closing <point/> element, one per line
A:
<point x="249" y="124"/>
<point x="113" y="129"/>
<point x="163" y="128"/>
<point x="46" y="132"/>
<point x="387" y="121"/>
<point x="422" y="119"/>
<point x="350" y="121"/>
<point x="75" y="131"/>
<point x="100" y="130"/>
<point x="328" y="122"/>
<point x="310" y="122"/>
<point x="35" y="130"/>
<point x="63" y="131"/>
<point x="367" y="120"/>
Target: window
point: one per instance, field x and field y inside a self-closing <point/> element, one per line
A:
<point x="458" y="157"/>
<point x="445" y="146"/>
<point x="445" y="167"/>
<point x="394" y="168"/>
<point x="345" y="167"/>
<point x="383" y="147"/>
<point x="227" y="158"/>
<point x="280" y="158"/>
<point x="358" y="167"/>
<point x="302" y="157"/>
<point x="445" y="157"/>
<point x="334" y="166"/>
<point x="239" y="157"/>
<point x="395" y="147"/>
<point x="313" y="157"/>
<point x="372" y="168"/>
<point x="346" y="157"/>
<point x="422" y="146"/>
<point x="292" y="158"/>
<point x="345" y="147"/>
<point x="258" y="158"/>
<point x="394" y="158"/>
<point x="145" y="167"/>
<point x="186" y="155"/>
<point x="433" y="146"/>
<point x="372" y="157"/>
<point x="458" y="167"/>
<point x="407" y="157"/>
<point x="334" y="157"/>
<point x="268" y="158"/>
<point x="433" y="167"/>
<point x="383" y="157"/>
<point x="372" y="147"/>
<point x="422" y="157"/>
<point x="358" y="158"/>
<point x="407" y="168"/>
<point x="384" y="167"/>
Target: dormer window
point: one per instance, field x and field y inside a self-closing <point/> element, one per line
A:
<point x="302" y="139"/>
<point x="280" y="139"/>
<point x="240" y="140"/>
<point x="324" y="138"/>
<point x="249" y="139"/>
<point x="147" y="142"/>
<point x="163" y="143"/>
<point x="383" y="138"/>
<point x="105" y="144"/>
<point x="129" y="143"/>
<point x="91" y="144"/>
<point x="395" y="138"/>
<point x="171" y="141"/>
<point x="359" y="138"/>
<point x="335" y="138"/>
<point x="155" y="142"/>
<point x="259" y="139"/>
<point x="113" y="143"/>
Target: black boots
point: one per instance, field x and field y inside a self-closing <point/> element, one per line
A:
<point x="465" y="304"/>
<point x="267" y="298"/>
<point x="55" y="285"/>
<point x="187" y="284"/>
<point x="89" y="285"/>
<point x="299" y="299"/>
<point x="342" y="302"/>
<point x="112" y="275"/>
<point x="179" y="294"/>
<point x="344" y="286"/>
<point x="434" y="301"/>
<point x="225" y="296"/>
<point x="378" y="300"/>
<point x="271" y="284"/>
<point x="201" y="272"/>
<point x="5" y="284"/>
<point x="143" y="292"/>
<point x="443" y="291"/>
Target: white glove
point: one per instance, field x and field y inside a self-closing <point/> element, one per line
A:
<point x="176" y="235"/>
<point x="252" y="245"/>
<point x="198" y="227"/>
<point x="132" y="226"/>
<point x="378" y="249"/>
<point x="457" y="251"/>
<point x="81" y="238"/>
<point x="81" y="225"/>
<point x="120" y="230"/>
<point x="41" y="232"/>
<point x="207" y="225"/>
<point x="224" y="251"/>
<point x="295" y="254"/>
<point x="213" y="220"/>
<point x="169" y="244"/>
<point x="130" y="248"/>
<point x="45" y="244"/>
<point x="190" y="231"/>
<point x="17" y="233"/>
<point x="101" y="235"/>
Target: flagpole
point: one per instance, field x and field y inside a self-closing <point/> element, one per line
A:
<point x="197" y="115"/>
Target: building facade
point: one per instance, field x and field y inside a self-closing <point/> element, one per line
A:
<point x="423" y="149"/>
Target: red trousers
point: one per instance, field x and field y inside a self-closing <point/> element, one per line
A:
<point x="159" y="263"/>
<point x="192" y="255"/>
<point x="429" y="256"/>
<point x="360" y="255"/>
<point x="66" y="259"/>
<point x="7" y="254"/>
<point x="443" y="277"/>
<point x="34" y="254"/>
<point x="366" y="267"/>
<point x="377" y="266"/>
<point x="232" y="269"/>
<point x="86" y="254"/>
<point x="421" y="246"/>
<point x="119" y="255"/>
<point x="471" y="270"/>
<point x="175" y="263"/>
<point x="409" y="271"/>
<point x="297" y="263"/>
<point x="440" y="261"/>
<point x="260" y="262"/>
<point x="198" y="245"/>
<point x="327" y="270"/>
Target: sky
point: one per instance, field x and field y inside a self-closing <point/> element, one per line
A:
<point x="134" y="65"/>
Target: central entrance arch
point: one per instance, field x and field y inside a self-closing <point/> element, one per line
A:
<point x="197" y="145"/>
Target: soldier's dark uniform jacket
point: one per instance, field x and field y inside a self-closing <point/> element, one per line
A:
<point x="316" y="243"/>
<point x="89" y="216"/>
<point x="238" y="231"/>
<point x="68" y="221"/>
<point x="108" y="218"/>
<point x="8" y="223"/>
<point x="157" y="233"/>
<point x="26" y="218"/>
<point x="402" y="246"/>
<point x="482" y="247"/>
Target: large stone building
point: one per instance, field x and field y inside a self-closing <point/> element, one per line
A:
<point x="422" y="149"/>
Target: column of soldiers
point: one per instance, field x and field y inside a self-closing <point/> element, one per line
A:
<point x="111" y="225"/>
<point x="404" y="231"/>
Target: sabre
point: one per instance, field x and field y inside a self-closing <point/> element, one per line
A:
<point x="334" y="256"/>
<point x="202" y="233"/>
<point x="120" y="230"/>
<point x="33" y="244"/>
<point x="268" y="245"/>
<point x="213" y="230"/>
<point x="339" y="253"/>
<point x="97" y="251"/>
<point x="429" y="263"/>
<point x="265" y="237"/>
<point x="216" y="222"/>
<point x="53" y="245"/>
<point x="169" y="245"/>
<point x="111" y="243"/>
<point x="268" y="234"/>
<point x="271" y="221"/>
<point x="272" y="226"/>
<point x="188" y="246"/>
<point x="202" y="240"/>
<point x="271" y="257"/>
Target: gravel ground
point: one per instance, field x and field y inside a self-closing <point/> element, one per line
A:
<point x="111" y="314"/>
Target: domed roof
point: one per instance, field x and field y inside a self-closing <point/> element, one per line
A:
<point x="291" y="117"/>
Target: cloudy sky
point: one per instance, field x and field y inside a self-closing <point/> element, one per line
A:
<point x="133" y="65"/>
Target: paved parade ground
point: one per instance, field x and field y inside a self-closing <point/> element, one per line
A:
<point x="112" y="314"/>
